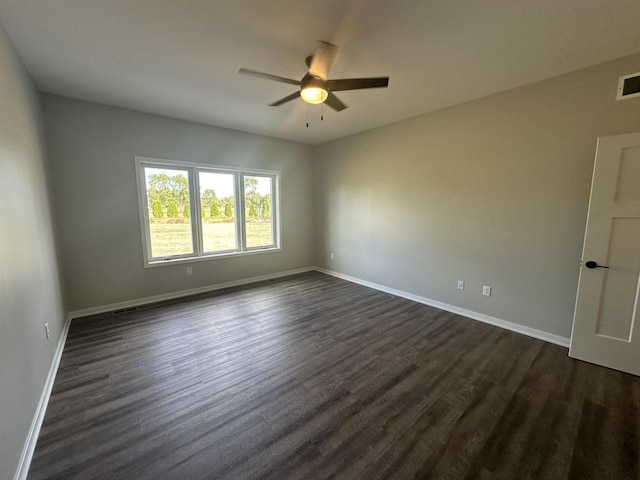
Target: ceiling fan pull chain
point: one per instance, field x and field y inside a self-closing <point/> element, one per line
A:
<point x="322" y="112"/>
<point x="307" y="117"/>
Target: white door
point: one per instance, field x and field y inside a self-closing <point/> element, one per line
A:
<point x="606" y="323"/>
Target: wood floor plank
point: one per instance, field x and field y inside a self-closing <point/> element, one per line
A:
<point x="312" y="377"/>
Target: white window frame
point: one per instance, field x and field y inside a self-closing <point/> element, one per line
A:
<point x="192" y="170"/>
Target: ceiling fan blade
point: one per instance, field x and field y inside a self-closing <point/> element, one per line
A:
<point x="286" y="99"/>
<point x="335" y="103"/>
<point x="268" y="76"/>
<point x="357" y="83"/>
<point x="322" y="59"/>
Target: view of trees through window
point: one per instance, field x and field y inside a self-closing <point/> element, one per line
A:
<point x="169" y="218"/>
<point x="170" y="212"/>
<point x="257" y="194"/>
<point x="217" y="211"/>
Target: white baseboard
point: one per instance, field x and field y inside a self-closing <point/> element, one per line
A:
<point x="182" y="293"/>
<point x="514" y="327"/>
<point x="36" y="423"/>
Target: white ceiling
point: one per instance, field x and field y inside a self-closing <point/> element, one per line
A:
<point x="180" y="58"/>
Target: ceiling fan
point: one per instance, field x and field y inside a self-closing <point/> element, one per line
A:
<point x="315" y="87"/>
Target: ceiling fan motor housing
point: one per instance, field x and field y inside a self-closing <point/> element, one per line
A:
<point x="311" y="81"/>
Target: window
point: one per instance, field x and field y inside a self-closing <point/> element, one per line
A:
<point x="191" y="211"/>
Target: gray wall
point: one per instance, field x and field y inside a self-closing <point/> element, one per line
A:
<point x="92" y="149"/>
<point x="494" y="192"/>
<point x="30" y="292"/>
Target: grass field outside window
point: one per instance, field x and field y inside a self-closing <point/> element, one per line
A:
<point x="175" y="238"/>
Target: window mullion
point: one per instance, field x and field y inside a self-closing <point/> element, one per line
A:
<point x="240" y="226"/>
<point x="196" y="224"/>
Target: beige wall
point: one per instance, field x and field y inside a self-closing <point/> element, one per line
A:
<point x="494" y="192"/>
<point x="30" y="292"/>
<point x="92" y="149"/>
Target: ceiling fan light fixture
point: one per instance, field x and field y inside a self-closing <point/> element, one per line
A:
<point x="314" y="95"/>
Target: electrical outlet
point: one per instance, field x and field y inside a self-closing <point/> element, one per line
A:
<point x="332" y="256"/>
<point x="189" y="270"/>
<point x="46" y="330"/>
<point x="486" y="291"/>
<point x="460" y="284"/>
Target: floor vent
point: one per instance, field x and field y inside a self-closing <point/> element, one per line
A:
<point x="629" y="86"/>
<point x="123" y="310"/>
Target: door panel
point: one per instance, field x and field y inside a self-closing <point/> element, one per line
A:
<point x="620" y="282"/>
<point x="628" y="187"/>
<point x="606" y="324"/>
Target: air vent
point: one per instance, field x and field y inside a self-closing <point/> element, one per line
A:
<point x="629" y="86"/>
<point x="123" y="310"/>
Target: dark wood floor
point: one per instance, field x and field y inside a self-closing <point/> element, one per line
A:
<point x="311" y="377"/>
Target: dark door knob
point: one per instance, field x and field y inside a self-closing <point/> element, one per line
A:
<point x="592" y="264"/>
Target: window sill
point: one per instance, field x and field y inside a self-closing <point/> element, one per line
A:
<point x="214" y="256"/>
